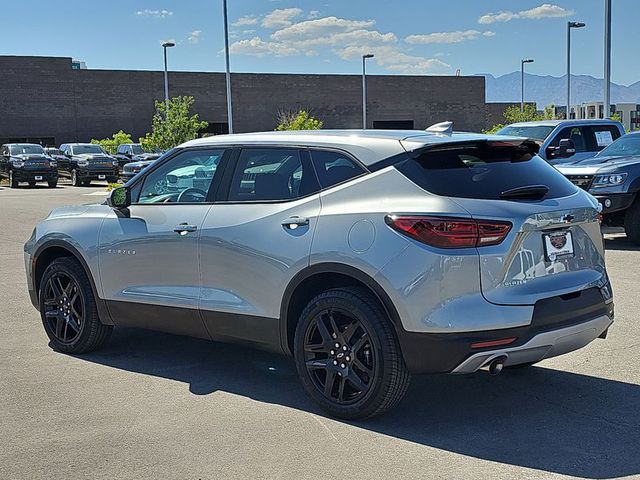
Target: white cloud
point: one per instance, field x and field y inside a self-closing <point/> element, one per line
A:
<point x="243" y="21"/>
<point x="154" y="13"/>
<point x="259" y="48"/>
<point x="545" y="10"/>
<point x="447" y="37"/>
<point x="310" y="29"/>
<point x="280" y="17"/>
<point x="393" y="59"/>
<point x="194" y="36"/>
<point x="313" y="14"/>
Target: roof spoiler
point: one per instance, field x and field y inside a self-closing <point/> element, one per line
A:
<point x="442" y="128"/>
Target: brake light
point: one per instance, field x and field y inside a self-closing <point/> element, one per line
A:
<point x="444" y="232"/>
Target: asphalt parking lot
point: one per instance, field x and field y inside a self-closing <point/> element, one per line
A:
<point x="152" y="405"/>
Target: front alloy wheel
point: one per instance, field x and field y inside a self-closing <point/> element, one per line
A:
<point x="347" y="354"/>
<point x="64" y="307"/>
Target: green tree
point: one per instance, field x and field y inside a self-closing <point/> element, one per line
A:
<point x="513" y="114"/>
<point x="110" y="145"/>
<point x="173" y="124"/>
<point x="298" y="121"/>
<point x="616" y="117"/>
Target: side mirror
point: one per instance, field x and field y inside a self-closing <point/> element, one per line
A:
<point x="566" y="148"/>
<point x="119" y="198"/>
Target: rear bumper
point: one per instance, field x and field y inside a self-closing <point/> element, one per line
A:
<point x="559" y="325"/>
<point x="544" y="345"/>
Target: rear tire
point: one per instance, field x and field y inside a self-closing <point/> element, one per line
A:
<point x="366" y="372"/>
<point x="13" y="183"/>
<point x="68" y="309"/>
<point x="632" y="222"/>
<point x="32" y="184"/>
<point x="53" y="184"/>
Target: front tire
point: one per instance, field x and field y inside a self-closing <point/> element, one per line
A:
<point x="347" y="355"/>
<point x="53" y="183"/>
<point x="75" y="180"/>
<point x="68" y="309"/>
<point x="632" y="222"/>
<point x="13" y="182"/>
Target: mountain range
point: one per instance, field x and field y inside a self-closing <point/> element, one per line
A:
<point x="547" y="90"/>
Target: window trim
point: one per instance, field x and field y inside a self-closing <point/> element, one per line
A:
<point x="225" y="189"/>
<point x="171" y="154"/>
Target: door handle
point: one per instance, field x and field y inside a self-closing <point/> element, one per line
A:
<point x="185" y="228"/>
<point x="294" y="222"/>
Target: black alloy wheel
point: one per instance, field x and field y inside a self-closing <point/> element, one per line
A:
<point x="347" y="354"/>
<point x="64" y="307"/>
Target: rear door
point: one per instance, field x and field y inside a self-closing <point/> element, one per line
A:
<point x="255" y="238"/>
<point x="554" y="246"/>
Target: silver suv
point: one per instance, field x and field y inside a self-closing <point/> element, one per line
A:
<point x="368" y="256"/>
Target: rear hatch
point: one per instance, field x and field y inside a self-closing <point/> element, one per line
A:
<point x="554" y="246"/>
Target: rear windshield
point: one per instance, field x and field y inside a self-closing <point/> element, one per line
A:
<point x="539" y="132"/>
<point x="482" y="170"/>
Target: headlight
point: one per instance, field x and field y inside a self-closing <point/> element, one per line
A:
<point x="53" y="163"/>
<point x="83" y="163"/>
<point x="17" y="164"/>
<point x="609" y="180"/>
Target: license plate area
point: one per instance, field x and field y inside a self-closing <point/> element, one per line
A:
<point x="101" y="177"/>
<point x="38" y="178"/>
<point x="558" y="244"/>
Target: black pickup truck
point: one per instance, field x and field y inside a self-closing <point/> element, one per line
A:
<point x="84" y="162"/>
<point x="27" y="162"/>
<point x="133" y="152"/>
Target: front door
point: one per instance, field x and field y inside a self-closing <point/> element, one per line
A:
<point x="254" y="240"/>
<point x="149" y="258"/>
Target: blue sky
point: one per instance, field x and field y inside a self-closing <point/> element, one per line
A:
<point x="427" y="36"/>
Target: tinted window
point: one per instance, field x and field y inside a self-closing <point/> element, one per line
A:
<point x="482" y="170"/>
<point x="26" y="149"/>
<point x="334" y="167"/>
<point x="185" y="178"/>
<point x="87" y="149"/>
<point x="536" y="133"/>
<point x="267" y="174"/>
<point x="575" y="134"/>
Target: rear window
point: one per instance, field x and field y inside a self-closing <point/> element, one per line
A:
<point x="482" y="170"/>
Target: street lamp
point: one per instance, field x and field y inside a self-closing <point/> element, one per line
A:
<point x="364" y="90"/>
<point x="607" y="59"/>
<point x="570" y="25"/>
<point x="228" y="71"/>
<point x="166" y="45"/>
<point x="522" y="62"/>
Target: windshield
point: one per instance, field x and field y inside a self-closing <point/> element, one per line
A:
<point x="623" y="147"/>
<point x="84" y="149"/>
<point x="137" y="149"/>
<point x="26" y="149"/>
<point x="536" y="133"/>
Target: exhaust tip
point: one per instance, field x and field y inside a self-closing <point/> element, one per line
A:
<point x="496" y="365"/>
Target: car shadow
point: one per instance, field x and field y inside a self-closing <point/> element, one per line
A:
<point x="539" y="418"/>
<point x="621" y="243"/>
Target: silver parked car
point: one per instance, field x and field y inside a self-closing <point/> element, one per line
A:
<point x="367" y="255"/>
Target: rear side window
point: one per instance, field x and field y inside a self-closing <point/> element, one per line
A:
<point x="334" y="167"/>
<point x="482" y="170"/>
<point x="603" y="136"/>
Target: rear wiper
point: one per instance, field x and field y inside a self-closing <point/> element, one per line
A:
<point x="528" y="192"/>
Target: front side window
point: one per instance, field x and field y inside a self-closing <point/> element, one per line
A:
<point x="334" y="167"/>
<point x="186" y="178"/>
<point x="576" y="135"/>
<point x="271" y="174"/>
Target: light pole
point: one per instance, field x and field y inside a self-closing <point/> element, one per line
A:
<point x="228" y="72"/>
<point x="570" y="25"/>
<point x="364" y="89"/>
<point x="166" y="45"/>
<point x="522" y="62"/>
<point x="607" y="59"/>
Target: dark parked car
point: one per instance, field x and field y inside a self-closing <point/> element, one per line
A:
<point x="613" y="177"/>
<point x="131" y="169"/>
<point x="133" y="152"/>
<point x="27" y="162"/>
<point x="85" y="162"/>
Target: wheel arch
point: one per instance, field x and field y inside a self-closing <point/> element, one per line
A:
<point x="321" y="277"/>
<point x="54" y="249"/>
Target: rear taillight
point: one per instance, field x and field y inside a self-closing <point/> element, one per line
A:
<point x="444" y="232"/>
